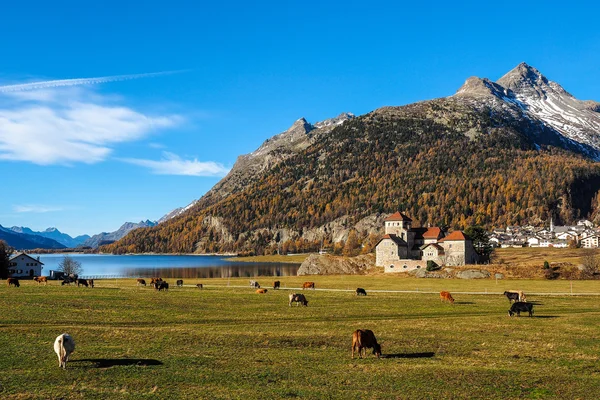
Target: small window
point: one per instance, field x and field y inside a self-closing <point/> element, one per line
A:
<point x="405" y="267"/>
<point x="391" y="266"/>
<point x="418" y="266"/>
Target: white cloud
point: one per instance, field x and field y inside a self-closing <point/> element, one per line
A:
<point x="172" y="164"/>
<point x="35" y="208"/>
<point x="49" y="124"/>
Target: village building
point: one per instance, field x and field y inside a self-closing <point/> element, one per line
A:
<point x="404" y="248"/>
<point x="23" y="265"/>
<point x="590" y="242"/>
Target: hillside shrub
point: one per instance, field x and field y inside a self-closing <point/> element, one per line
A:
<point x="432" y="266"/>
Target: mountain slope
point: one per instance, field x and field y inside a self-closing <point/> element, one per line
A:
<point x="109" y="237"/>
<point x="55" y="234"/>
<point x="478" y="157"/>
<point x="249" y="167"/>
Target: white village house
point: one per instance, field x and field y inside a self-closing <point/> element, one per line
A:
<point x="23" y="265"/>
<point x="404" y="248"/>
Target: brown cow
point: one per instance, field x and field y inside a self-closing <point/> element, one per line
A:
<point x="261" y="291"/>
<point x="363" y="339"/>
<point x="13" y="281"/>
<point x="91" y="283"/>
<point x="155" y="280"/>
<point x="141" y="281"/>
<point x="308" y="285"/>
<point x="40" y="279"/>
<point x="446" y="296"/>
<point x="276" y="285"/>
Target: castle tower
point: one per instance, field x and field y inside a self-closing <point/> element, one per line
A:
<point x="398" y="224"/>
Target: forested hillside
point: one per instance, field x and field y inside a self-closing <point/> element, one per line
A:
<point x="444" y="162"/>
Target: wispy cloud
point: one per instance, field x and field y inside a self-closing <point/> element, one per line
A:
<point x="35" y="208"/>
<point x="172" y="164"/>
<point x="53" y="124"/>
<point x="79" y="81"/>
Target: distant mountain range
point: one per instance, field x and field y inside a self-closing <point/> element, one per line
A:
<point x="25" y="241"/>
<point x="110" y="237"/>
<point x="23" y="238"/>
<point x="517" y="150"/>
<point x="55" y="234"/>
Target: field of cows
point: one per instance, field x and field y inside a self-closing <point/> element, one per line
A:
<point x="229" y="342"/>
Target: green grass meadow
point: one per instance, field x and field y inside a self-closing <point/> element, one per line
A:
<point x="228" y="342"/>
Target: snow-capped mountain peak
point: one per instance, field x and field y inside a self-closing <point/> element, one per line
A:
<point x="544" y="100"/>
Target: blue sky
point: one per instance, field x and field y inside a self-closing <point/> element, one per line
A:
<point x="85" y="158"/>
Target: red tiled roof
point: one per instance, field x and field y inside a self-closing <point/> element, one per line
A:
<point x="456" y="235"/>
<point x="432" y="233"/>
<point x="398" y="216"/>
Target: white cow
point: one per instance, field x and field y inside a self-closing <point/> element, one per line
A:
<point x="64" y="345"/>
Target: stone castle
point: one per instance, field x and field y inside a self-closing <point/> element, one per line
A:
<point x="404" y="248"/>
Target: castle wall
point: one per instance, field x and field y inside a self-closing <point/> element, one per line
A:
<point x="405" y="265"/>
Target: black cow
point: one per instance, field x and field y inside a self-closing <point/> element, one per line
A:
<point x="254" y="284"/>
<point x="276" y="285"/>
<point x="179" y="283"/>
<point x="361" y="292"/>
<point x="512" y="296"/>
<point x="161" y="286"/>
<point x="199" y="285"/>
<point x="68" y="280"/>
<point x="82" y="282"/>
<point x="520" y="306"/>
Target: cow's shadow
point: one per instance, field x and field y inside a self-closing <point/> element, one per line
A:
<point x="113" y="362"/>
<point x="464" y="302"/>
<point x="546" y="316"/>
<point x="409" y="355"/>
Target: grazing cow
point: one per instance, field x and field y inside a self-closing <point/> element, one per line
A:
<point x="199" y="285"/>
<point x="64" y="345"/>
<point x="511" y="296"/>
<point x="361" y="292"/>
<point x="254" y="284"/>
<point x="161" y="286"/>
<point x="13" y="281"/>
<point x="520" y="306"/>
<point x="82" y="282"/>
<point x="446" y="296"/>
<point x="141" y="282"/>
<point x="179" y="283"/>
<point x="276" y="285"/>
<point x="363" y="339"/>
<point x="308" y="285"/>
<point x="41" y="279"/>
<point x="91" y="283"/>
<point x="261" y="291"/>
<point x="67" y="281"/>
<point x="298" y="299"/>
<point x="154" y="280"/>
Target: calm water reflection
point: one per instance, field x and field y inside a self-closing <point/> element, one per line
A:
<point x="167" y="266"/>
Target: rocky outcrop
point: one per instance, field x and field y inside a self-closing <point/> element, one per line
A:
<point x="473" y="274"/>
<point x="331" y="265"/>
